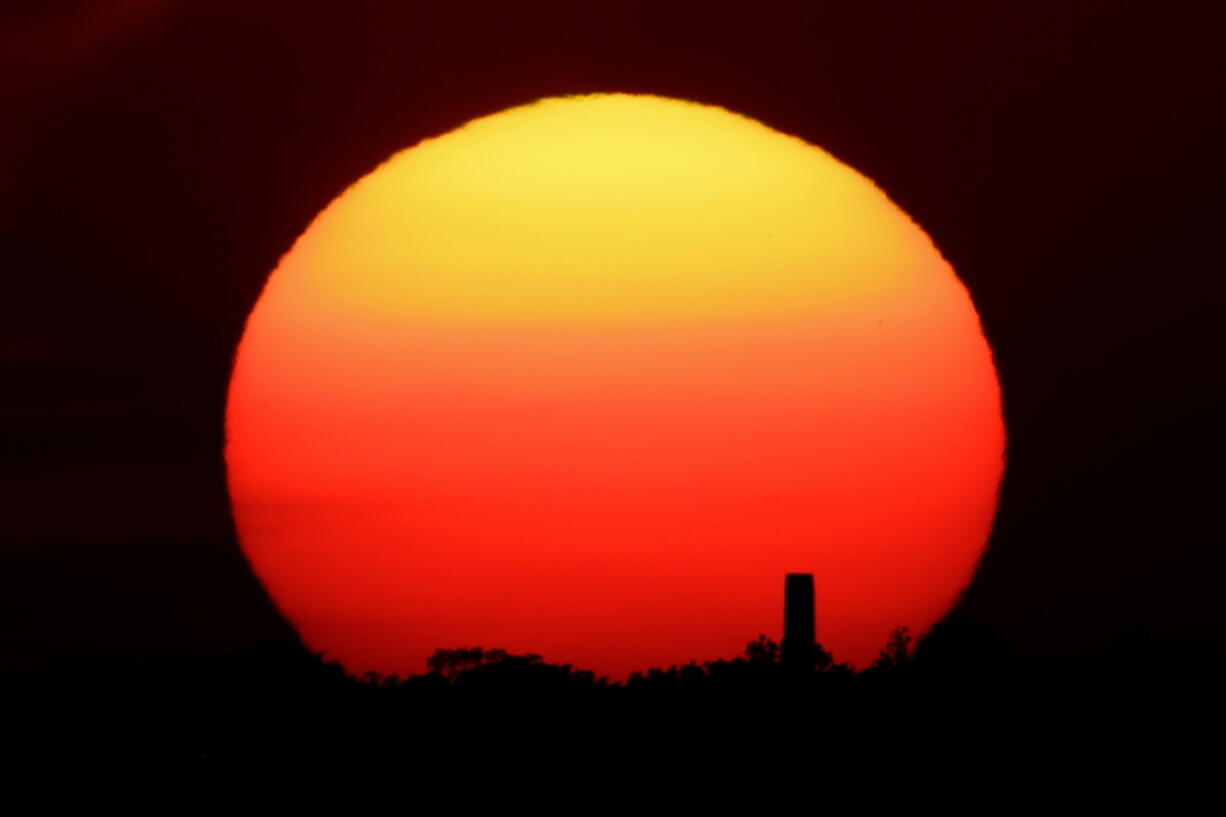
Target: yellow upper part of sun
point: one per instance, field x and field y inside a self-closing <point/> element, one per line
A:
<point x="609" y="208"/>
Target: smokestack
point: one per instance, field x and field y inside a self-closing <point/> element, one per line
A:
<point x="799" y="625"/>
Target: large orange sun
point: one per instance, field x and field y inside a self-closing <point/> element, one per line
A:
<point x="588" y="377"/>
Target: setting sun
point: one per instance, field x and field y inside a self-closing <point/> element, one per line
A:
<point x="588" y="377"/>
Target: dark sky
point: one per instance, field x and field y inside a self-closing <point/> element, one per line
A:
<point x="157" y="158"/>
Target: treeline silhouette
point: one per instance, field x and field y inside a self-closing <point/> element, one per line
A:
<point x="282" y="700"/>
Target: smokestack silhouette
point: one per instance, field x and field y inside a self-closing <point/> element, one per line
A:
<point x="799" y="625"/>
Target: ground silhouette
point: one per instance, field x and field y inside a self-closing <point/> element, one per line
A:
<point x="280" y="701"/>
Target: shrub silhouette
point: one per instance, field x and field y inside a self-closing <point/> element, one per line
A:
<point x="763" y="650"/>
<point x="481" y="667"/>
<point x="897" y="650"/>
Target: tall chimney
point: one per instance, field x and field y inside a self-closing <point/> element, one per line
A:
<point x="799" y="627"/>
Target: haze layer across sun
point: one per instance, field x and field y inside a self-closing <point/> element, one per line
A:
<point x="588" y="377"/>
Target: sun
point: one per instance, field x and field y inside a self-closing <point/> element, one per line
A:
<point x="588" y="377"/>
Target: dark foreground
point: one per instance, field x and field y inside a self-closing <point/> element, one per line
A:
<point x="281" y="705"/>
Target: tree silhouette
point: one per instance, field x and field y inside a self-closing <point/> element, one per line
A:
<point x="897" y="650"/>
<point x="481" y="667"/>
<point x="452" y="664"/>
<point x="762" y="650"/>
